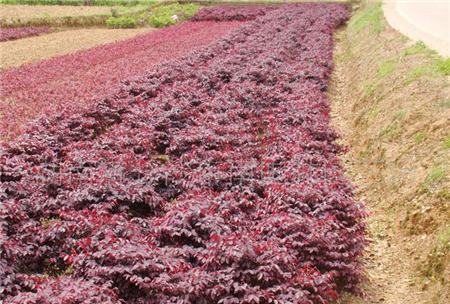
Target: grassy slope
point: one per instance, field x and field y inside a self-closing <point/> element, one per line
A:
<point x="391" y="101"/>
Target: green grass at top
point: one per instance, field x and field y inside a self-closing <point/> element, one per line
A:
<point x="371" y="18"/>
<point x="162" y="16"/>
<point x="80" y="2"/>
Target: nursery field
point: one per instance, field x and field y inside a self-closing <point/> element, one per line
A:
<point x="48" y="86"/>
<point x="192" y="164"/>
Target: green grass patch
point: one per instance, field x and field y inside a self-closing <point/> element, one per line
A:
<point x="418" y="72"/>
<point x="392" y="131"/>
<point x="430" y="185"/>
<point x="121" y="22"/>
<point x="418" y="48"/>
<point x="386" y="68"/>
<point x="371" y="18"/>
<point x="162" y="16"/>
<point x="446" y="142"/>
<point x="419" y="137"/>
<point x="399" y="114"/>
<point x="439" y="67"/>
<point x="369" y="89"/>
<point x="437" y="174"/>
<point x="443" y="66"/>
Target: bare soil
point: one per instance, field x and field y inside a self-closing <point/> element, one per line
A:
<point x="25" y="12"/>
<point x="18" y="52"/>
<point x="393" y="111"/>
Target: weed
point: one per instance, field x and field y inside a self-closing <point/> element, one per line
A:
<point x="399" y="114"/>
<point x="373" y="112"/>
<point x="443" y="66"/>
<point x="446" y="142"/>
<point x="392" y="131"/>
<point x="386" y="68"/>
<point x="418" y="72"/>
<point x="436" y="175"/>
<point x="369" y="89"/>
<point x="436" y="260"/>
<point x="420" y="137"/>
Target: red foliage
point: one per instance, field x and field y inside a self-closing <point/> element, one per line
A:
<point x="230" y="13"/>
<point x="7" y="34"/>
<point x="75" y="80"/>
<point x="211" y="179"/>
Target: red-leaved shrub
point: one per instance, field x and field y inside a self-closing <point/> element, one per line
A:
<point x="7" y="34"/>
<point x="211" y="179"/>
<point x="75" y="80"/>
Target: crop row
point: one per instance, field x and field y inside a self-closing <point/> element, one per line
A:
<point x="77" y="79"/>
<point x="7" y="34"/>
<point x="231" y="13"/>
<point x="209" y="179"/>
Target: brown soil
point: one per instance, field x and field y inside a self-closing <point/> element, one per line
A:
<point x="393" y="111"/>
<point x="36" y="11"/>
<point x="18" y="52"/>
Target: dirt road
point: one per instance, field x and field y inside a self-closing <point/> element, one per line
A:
<point x="426" y="20"/>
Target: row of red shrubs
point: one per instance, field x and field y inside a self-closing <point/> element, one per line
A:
<point x="79" y="79"/>
<point x="7" y="34"/>
<point x="210" y="179"/>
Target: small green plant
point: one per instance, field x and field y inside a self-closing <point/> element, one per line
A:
<point x="399" y="114"/>
<point x="369" y="89"/>
<point x="443" y="66"/>
<point x="121" y="22"/>
<point x="418" y="72"/>
<point x="436" y="175"/>
<point x="436" y="261"/>
<point x="386" y="68"/>
<point x="446" y="142"/>
<point x="420" y="137"/>
<point x="392" y="131"/>
<point x="373" y="112"/>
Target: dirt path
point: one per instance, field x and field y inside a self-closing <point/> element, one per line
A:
<point x="390" y="103"/>
<point x="18" y="52"/>
<point x="428" y="21"/>
<point x="386" y="261"/>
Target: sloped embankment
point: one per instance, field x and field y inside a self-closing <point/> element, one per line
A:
<point x="391" y="101"/>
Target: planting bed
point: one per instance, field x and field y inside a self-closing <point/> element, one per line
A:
<point x="209" y="179"/>
<point x="21" y="32"/>
<point x="74" y="80"/>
